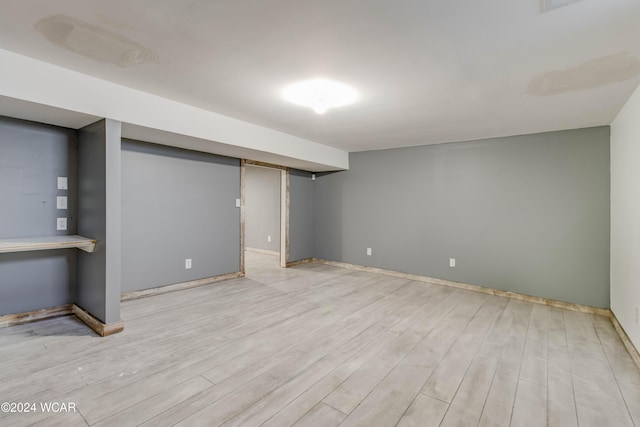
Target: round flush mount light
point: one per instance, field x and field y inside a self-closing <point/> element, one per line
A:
<point x="320" y="94"/>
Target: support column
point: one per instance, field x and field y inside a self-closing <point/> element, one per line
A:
<point x="99" y="216"/>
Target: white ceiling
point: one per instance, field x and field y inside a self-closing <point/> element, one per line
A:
<point x="427" y="71"/>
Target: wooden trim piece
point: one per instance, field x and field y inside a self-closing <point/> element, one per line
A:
<point x="243" y="172"/>
<point x="129" y="296"/>
<point x="62" y="310"/>
<point x="475" y="288"/>
<point x="102" y="329"/>
<point x="34" y="316"/>
<point x="262" y="251"/>
<point x="47" y="243"/>
<point x="299" y="262"/>
<point x="285" y="204"/>
<point x="265" y="165"/>
<point x="633" y="351"/>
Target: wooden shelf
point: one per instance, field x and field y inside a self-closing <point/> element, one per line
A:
<point x="46" y="243"/>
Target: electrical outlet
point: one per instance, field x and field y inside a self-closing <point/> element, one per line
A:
<point x="187" y="263"/>
<point x="369" y="251"/>
<point x="61" y="224"/>
<point x="452" y="262"/>
<point x="237" y="203"/>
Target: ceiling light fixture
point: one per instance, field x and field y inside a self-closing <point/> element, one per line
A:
<point x="320" y="94"/>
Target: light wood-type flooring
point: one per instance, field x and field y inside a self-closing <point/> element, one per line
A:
<point x="316" y="345"/>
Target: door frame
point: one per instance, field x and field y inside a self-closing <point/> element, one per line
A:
<point x="284" y="209"/>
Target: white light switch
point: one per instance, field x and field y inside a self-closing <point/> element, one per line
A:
<point x="61" y="224"/>
<point x="61" y="202"/>
<point x="63" y="183"/>
<point x="268" y="238"/>
<point x="452" y="262"/>
<point x="369" y="251"/>
<point x="187" y="263"/>
<point x="237" y="203"/>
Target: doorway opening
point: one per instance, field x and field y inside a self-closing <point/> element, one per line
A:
<point x="264" y="213"/>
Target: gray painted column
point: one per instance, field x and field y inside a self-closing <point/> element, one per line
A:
<point x="99" y="207"/>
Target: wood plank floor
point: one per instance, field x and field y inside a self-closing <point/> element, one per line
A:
<point x="316" y="345"/>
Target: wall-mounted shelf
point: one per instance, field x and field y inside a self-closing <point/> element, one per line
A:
<point x="46" y="243"/>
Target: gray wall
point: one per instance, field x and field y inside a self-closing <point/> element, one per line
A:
<point x="99" y="201"/>
<point x="301" y="215"/>
<point x="177" y="204"/>
<point x="528" y="214"/>
<point x="262" y="208"/>
<point x="32" y="156"/>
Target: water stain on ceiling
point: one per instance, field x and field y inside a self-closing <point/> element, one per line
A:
<point x="588" y="75"/>
<point x="112" y="22"/>
<point x="94" y="41"/>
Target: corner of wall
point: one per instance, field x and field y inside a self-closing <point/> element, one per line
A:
<point x="625" y="209"/>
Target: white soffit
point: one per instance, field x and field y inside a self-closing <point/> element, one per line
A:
<point x="43" y="92"/>
<point x="19" y="109"/>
